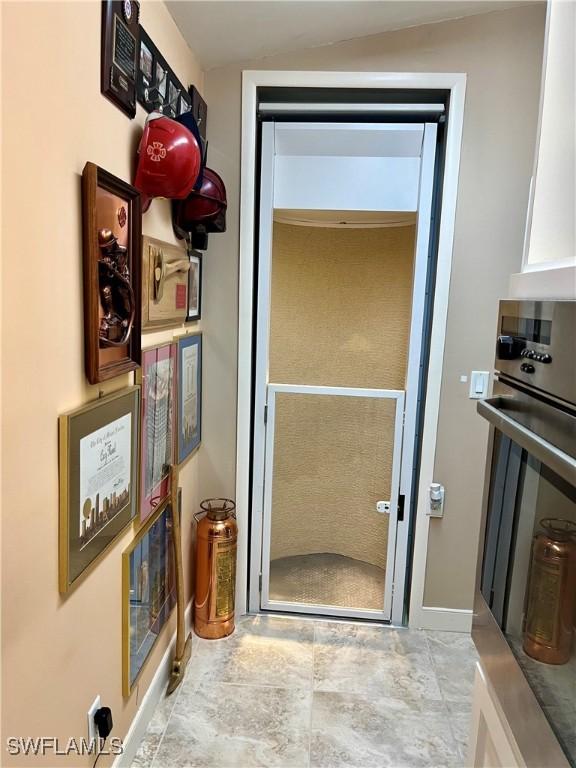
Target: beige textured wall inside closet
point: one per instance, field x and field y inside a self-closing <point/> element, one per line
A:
<point x="340" y="316"/>
<point x="501" y="53"/>
<point x="59" y="653"/>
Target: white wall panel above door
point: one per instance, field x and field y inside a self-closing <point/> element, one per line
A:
<point x="347" y="183"/>
<point x="347" y="166"/>
<point x="349" y="139"/>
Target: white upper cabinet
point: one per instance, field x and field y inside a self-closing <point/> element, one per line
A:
<point x="550" y="238"/>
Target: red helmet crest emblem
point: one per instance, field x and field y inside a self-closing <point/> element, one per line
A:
<point x="157" y="151"/>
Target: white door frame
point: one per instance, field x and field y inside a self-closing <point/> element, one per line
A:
<point x="329" y="610"/>
<point x="251" y="80"/>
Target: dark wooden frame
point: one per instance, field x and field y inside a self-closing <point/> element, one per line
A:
<point x="111" y="74"/>
<point x="92" y="178"/>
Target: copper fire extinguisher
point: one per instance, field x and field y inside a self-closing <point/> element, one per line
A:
<point x="216" y="544"/>
<point x="550" y="607"/>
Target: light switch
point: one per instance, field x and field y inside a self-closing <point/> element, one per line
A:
<point x="479" y="381"/>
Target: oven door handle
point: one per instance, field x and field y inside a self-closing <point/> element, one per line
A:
<point x="559" y="461"/>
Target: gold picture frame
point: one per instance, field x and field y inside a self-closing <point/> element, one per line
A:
<point x="99" y="478"/>
<point x="147" y="592"/>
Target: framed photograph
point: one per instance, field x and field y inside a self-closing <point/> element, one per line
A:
<point x="148" y="592"/>
<point x="146" y="61"/>
<point x="98" y="479"/>
<point x="173" y="98"/>
<point x="157" y="86"/>
<point x="112" y="225"/>
<point x="165" y="269"/>
<point x="189" y="411"/>
<point x="194" y="287"/>
<point x="157" y="379"/>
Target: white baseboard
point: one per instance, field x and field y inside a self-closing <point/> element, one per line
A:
<point x="447" y="619"/>
<point x="150" y="700"/>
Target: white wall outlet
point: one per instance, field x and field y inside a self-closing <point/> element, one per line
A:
<point x="479" y="381"/>
<point x="383" y="507"/>
<point x="92" y="730"/>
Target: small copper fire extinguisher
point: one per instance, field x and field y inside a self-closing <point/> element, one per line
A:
<point x="550" y="607"/>
<point x="216" y="544"/>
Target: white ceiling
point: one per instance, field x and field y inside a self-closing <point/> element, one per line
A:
<point x="221" y="32"/>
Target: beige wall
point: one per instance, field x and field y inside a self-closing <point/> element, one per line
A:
<point x="501" y="54"/>
<point x="58" y="654"/>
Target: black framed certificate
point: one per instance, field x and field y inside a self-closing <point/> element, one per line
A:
<point x="120" y="50"/>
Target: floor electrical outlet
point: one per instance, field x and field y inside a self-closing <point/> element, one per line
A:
<point x="92" y="730"/>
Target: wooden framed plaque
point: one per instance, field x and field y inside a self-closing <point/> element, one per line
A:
<point x="119" y="55"/>
<point x="112" y="224"/>
<point x="165" y="270"/>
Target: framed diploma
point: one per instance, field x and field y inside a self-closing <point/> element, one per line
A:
<point x="98" y="479"/>
<point x="157" y="378"/>
<point x="189" y="411"/>
<point x="119" y="54"/>
<point x="112" y="224"/>
<point x="148" y="591"/>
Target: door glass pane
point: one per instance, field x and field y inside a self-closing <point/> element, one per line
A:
<point x="332" y="462"/>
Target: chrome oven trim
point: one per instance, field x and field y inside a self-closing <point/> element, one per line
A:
<point x="493" y="409"/>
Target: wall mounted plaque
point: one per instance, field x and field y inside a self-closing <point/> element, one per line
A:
<point x="119" y="54"/>
<point x="165" y="269"/>
<point x="112" y="222"/>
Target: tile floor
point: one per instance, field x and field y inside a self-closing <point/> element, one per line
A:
<point x="312" y="694"/>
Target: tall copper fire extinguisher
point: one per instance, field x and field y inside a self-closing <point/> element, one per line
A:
<point x="550" y="607"/>
<point x="216" y="544"/>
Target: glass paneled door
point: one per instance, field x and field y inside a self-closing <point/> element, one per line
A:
<point x="331" y="499"/>
<point x="338" y="351"/>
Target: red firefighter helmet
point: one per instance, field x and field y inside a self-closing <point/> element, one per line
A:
<point x="203" y="209"/>
<point x="169" y="160"/>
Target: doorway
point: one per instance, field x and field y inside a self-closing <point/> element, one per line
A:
<point x="344" y="240"/>
<point x="434" y="96"/>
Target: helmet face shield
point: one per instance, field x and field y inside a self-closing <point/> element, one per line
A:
<point x="169" y="160"/>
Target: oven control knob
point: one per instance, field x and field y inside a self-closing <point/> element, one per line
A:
<point x="527" y="368"/>
<point x="546" y="358"/>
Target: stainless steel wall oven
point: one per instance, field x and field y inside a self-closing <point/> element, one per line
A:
<point x="525" y="610"/>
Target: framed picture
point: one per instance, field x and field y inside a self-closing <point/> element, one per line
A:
<point x="112" y="224"/>
<point x="157" y="86"/>
<point x="157" y="379"/>
<point x="194" y="287"/>
<point x="148" y="592"/>
<point x="98" y="479"/>
<point x="189" y="411"/>
<point x="165" y="269"/>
